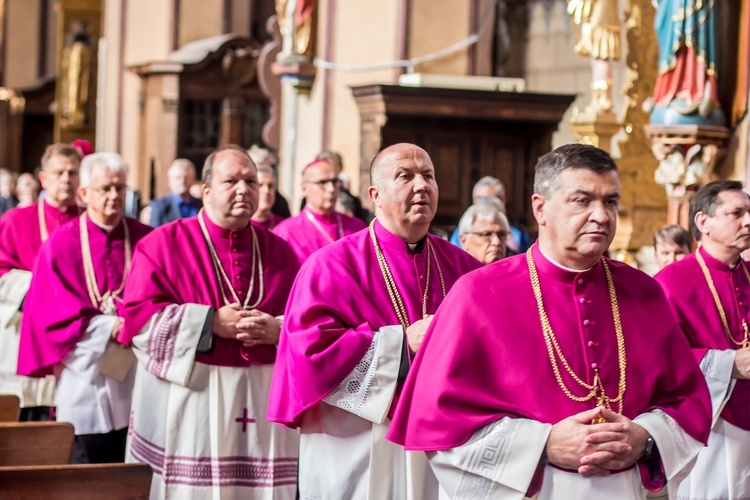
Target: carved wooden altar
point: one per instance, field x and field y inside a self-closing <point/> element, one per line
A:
<point x="468" y="134"/>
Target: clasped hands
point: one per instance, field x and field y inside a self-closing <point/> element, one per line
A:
<point x="596" y="449"/>
<point x="252" y="327"/>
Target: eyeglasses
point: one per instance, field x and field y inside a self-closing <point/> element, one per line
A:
<point x="487" y="235"/>
<point x="322" y="183"/>
<point x="118" y="189"/>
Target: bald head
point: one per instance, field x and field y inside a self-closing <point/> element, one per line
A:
<point x="404" y="190"/>
<point x="385" y="159"/>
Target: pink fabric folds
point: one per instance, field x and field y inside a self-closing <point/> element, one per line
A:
<point x="338" y="300"/>
<point x="305" y="238"/>
<point x="173" y="266"/>
<point x="693" y="305"/>
<point x="57" y="309"/>
<point x="20" y="234"/>
<point x="485" y="358"/>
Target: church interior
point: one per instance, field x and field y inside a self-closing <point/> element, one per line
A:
<point x="485" y="86"/>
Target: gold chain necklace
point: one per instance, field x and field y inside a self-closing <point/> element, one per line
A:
<point x="390" y="283"/>
<point x="221" y="274"/>
<point x="717" y="300"/>
<point x="105" y="303"/>
<point x="320" y="229"/>
<point x="596" y="390"/>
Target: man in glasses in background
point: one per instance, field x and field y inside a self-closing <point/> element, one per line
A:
<point x="484" y="230"/>
<point x="318" y="223"/>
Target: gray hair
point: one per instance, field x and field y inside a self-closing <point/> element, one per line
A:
<point x="550" y="166"/>
<point x="484" y="211"/>
<point x="182" y="163"/>
<point x="488" y="180"/>
<point x="112" y="162"/>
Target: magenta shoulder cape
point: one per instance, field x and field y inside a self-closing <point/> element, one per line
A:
<point x="305" y="238"/>
<point x="57" y="309"/>
<point x="338" y="300"/>
<point x="173" y="266"/>
<point x="694" y="306"/>
<point x="484" y="356"/>
<point x="20" y="234"/>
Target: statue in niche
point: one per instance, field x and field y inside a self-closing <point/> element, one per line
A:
<point x="297" y="26"/>
<point x="501" y="39"/>
<point x="598" y="37"/>
<point x="686" y="89"/>
<point x="75" y="74"/>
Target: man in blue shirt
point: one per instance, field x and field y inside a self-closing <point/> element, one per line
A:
<point x="178" y="203"/>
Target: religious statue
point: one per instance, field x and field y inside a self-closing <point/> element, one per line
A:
<point x="297" y="26"/>
<point x="680" y="169"/>
<point x="686" y="88"/>
<point x="75" y="75"/>
<point x="598" y="37"/>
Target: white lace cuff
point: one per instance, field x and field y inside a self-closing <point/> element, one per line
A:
<point x="717" y="366"/>
<point x="368" y="390"/>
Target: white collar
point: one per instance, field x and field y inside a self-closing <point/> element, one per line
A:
<point x="560" y="265"/>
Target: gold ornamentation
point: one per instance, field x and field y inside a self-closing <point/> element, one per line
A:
<point x="717" y="300"/>
<point x="105" y="303"/>
<point x="396" y="299"/>
<point x="596" y="389"/>
<point x="221" y="274"/>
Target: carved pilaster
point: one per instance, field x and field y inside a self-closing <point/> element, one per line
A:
<point x="596" y="131"/>
<point x="643" y="203"/>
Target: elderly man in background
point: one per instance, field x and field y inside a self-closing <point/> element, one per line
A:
<point x="74" y="311"/>
<point x="22" y="232"/>
<point x="263" y="158"/>
<point x="484" y="231"/>
<point x="8" y="198"/>
<point x="492" y="187"/>
<point x="178" y="203"/>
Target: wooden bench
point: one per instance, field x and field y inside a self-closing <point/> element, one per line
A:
<point x="35" y="443"/>
<point x="10" y="407"/>
<point x="76" y="482"/>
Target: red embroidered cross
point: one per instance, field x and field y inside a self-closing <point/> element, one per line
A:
<point x="244" y="420"/>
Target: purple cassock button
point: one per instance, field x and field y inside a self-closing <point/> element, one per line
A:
<point x="586" y="322"/>
<point x="580" y="281"/>
<point x="421" y="277"/>
<point x="582" y="300"/>
<point x="234" y="249"/>
<point x="591" y="344"/>
<point x="594" y="366"/>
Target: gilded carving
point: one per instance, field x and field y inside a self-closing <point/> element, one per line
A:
<point x="642" y="199"/>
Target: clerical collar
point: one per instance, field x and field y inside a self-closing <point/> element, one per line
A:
<point x="418" y="246"/>
<point x="106" y="228"/>
<point x="569" y="269"/>
<point x="715" y="264"/>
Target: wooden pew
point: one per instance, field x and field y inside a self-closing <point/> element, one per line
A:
<point x="76" y="482"/>
<point x="10" y="408"/>
<point x="35" y="443"/>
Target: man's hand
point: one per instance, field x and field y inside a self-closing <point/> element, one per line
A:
<point x="568" y="443"/>
<point x="617" y="446"/>
<point x="416" y="332"/>
<point x="258" y="328"/>
<point x="226" y="320"/>
<point x="741" y="369"/>
<point x="117" y="329"/>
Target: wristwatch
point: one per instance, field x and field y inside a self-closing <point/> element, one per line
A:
<point x="650" y="450"/>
